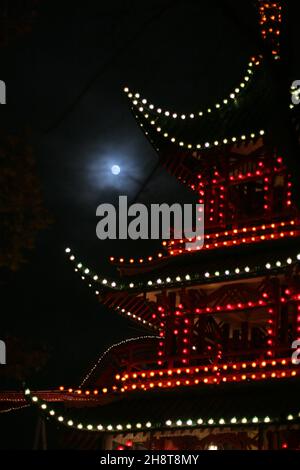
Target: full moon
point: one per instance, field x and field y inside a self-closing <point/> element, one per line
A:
<point x="115" y="169"/>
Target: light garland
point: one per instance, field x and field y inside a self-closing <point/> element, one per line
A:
<point x="16" y="408"/>
<point x="104" y="354"/>
<point x="243" y="236"/>
<point x="228" y="238"/>
<point x="207" y="375"/>
<point x="148" y="425"/>
<point x="146" y="108"/>
<point x="205" y="145"/>
<point x="239" y="271"/>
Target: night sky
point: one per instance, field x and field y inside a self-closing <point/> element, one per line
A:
<point x="65" y="83"/>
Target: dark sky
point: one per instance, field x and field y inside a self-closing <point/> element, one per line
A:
<point x="182" y="55"/>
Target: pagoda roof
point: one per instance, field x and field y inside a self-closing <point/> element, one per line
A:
<point x="123" y="295"/>
<point x="215" y="405"/>
<point x="243" y="115"/>
<point x="261" y="259"/>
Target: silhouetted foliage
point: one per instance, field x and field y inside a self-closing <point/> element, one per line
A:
<point x="24" y="359"/>
<point x="22" y="214"/>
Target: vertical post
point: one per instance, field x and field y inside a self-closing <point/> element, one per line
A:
<point x="40" y="435"/>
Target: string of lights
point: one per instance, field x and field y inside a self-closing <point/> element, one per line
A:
<point x="74" y="423"/>
<point x="203" y="145"/>
<point x="104" y="354"/>
<point x="281" y="368"/>
<point x="14" y="408"/>
<point x="219" y="239"/>
<point x="206" y="276"/>
<point x="143" y="106"/>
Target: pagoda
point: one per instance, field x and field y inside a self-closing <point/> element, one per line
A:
<point x="213" y="366"/>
